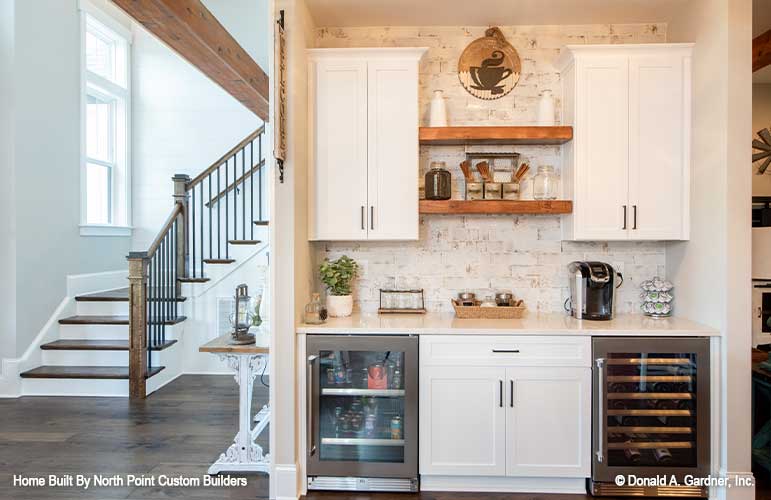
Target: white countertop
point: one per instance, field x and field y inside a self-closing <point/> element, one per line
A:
<point x="531" y="323"/>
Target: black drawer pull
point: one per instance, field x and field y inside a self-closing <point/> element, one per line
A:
<point x="504" y="351"/>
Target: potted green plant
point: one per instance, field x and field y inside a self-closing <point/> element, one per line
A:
<point x="337" y="275"/>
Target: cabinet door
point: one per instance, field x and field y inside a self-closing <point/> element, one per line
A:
<point x="601" y="149"/>
<point x="462" y="421"/>
<point x="659" y="124"/>
<point x="338" y="132"/>
<point x="392" y="153"/>
<point x="548" y="424"/>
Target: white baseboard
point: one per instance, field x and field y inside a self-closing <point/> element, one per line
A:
<point x="78" y="284"/>
<point x="284" y="482"/>
<point x="503" y="484"/>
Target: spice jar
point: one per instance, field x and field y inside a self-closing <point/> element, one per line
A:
<point x="545" y="183"/>
<point x="315" y="311"/>
<point x="438" y="182"/>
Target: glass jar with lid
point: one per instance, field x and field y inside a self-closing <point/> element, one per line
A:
<point x="545" y="183"/>
<point x="438" y="182"/>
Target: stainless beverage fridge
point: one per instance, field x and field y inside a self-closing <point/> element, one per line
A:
<point x="651" y="415"/>
<point x="362" y="412"/>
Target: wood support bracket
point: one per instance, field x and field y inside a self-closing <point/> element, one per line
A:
<point x="761" y="51"/>
<point x="188" y="28"/>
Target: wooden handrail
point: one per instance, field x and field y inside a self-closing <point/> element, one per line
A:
<point x="238" y="147"/>
<point x="235" y="183"/>
<point x="178" y="209"/>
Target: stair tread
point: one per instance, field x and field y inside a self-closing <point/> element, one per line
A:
<point x="90" y="372"/>
<point x="193" y="280"/>
<point x="261" y="222"/>
<point x="117" y="295"/>
<point x="97" y="345"/>
<point x="244" y="242"/>
<point x="109" y="320"/>
<point x="218" y="261"/>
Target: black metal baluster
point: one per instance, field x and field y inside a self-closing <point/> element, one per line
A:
<point x="192" y="225"/>
<point x="162" y="291"/>
<point x="227" y="210"/>
<point x="243" y="193"/>
<point x="219" y="224"/>
<point x="211" y="255"/>
<point x="259" y="178"/>
<point x="251" y="189"/>
<point x="165" y="287"/>
<point x="155" y="301"/>
<point x="235" y="197"/>
<point x="174" y="265"/>
<point x="200" y="190"/>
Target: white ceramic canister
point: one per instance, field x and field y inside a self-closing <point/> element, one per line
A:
<point x="546" y="109"/>
<point x="438" y="116"/>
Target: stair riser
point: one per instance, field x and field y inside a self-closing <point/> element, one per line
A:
<point x="102" y="308"/>
<point x="107" y="332"/>
<point x="74" y="387"/>
<point x="91" y="358"/>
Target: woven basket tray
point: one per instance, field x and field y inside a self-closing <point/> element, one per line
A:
<point x="478" y="312"/>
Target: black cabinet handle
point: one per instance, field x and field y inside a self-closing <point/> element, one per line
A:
<point x="362" y="217"/>
<point x="512" y="351"/>
<point x="511" y="395"/>
<point x="624" y="226"/>
<point x="500" y="393"/>
<point x="634" y="216"/>
<point x="372" y="217"/>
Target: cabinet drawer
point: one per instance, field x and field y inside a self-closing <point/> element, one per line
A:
<point x="454" y="350"/>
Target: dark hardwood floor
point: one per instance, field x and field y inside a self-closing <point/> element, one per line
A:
<point x="179" y="430"/>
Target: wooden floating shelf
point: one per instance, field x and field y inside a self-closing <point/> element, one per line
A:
<point x="533" y="207"/>
<point x="457" y="136"/>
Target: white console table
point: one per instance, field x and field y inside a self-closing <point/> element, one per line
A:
<point x="248" y="362"/>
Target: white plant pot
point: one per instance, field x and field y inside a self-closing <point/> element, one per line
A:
<point x="339" y="306"/>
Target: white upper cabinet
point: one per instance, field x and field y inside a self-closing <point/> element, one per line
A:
<point x="627" y="168"/>
<point x="363" y="142"/>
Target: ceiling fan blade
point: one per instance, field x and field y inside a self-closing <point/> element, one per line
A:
<point x="761" y="155"/>
<point x="760" y="145"/>
<point x="764" y="166"/>
<point x="765" y="135"/>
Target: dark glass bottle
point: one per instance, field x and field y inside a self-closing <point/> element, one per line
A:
<point x="438" y="182"/>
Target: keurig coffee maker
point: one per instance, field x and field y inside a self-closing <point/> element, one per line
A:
<point x="592" y="290"/>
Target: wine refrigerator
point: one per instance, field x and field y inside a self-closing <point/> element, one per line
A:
<point x="362" y="412"/>
<point x="650" y="416"/>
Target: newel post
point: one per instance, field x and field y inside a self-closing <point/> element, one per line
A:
<point x="138" y="264"/>
<point x="181" y="196"/>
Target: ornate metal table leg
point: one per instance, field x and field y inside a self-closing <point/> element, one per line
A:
<point x="244" y="455"/>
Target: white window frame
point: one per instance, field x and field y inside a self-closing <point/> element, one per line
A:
<point x="97" y="85"/>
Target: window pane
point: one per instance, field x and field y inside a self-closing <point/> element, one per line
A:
<point x="98" y="193"/>
<point x="100" y="115"/>
<point x="100" y="54"/>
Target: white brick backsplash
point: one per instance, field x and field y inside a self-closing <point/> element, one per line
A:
<point x="485" y="254"/>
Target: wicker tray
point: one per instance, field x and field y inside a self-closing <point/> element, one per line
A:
<point x="478" y="312"/>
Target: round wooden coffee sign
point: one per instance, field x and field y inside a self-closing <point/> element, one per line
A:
<point x="489" y="67"/>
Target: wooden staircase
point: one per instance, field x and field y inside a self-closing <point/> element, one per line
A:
<point x="120" y="335"/>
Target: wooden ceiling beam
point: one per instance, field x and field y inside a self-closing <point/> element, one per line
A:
<point x="761" y="51"/>
<point x="194" y="33"/>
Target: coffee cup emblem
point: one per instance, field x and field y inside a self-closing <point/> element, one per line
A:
<point x="489" y="67"/>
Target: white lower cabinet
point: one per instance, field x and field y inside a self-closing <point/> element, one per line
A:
<point x="506" y="421"/>
<point x="548" y="422"/>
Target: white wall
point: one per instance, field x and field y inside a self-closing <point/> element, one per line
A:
<point x="761" y="118"/>
<point x="245" y="21"/>
<point x="46" y="150"/>
<point x="711" y="272"/>
<point x="7" y="188"/>
<point x="182" y="122"/>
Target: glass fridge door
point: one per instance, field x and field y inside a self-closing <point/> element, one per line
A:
<point x="651" y="405"/>
<point x="364" y="406"/>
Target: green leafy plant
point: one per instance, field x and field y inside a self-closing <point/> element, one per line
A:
<point x="338" y="274"/>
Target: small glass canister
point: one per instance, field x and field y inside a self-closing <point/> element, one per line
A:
<point x="545" y="183"/>
<point x="492" y="190"/>
<point x="474" y="191"/>
<point x="438" y="182"/>
<point x="315" y="311"/>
